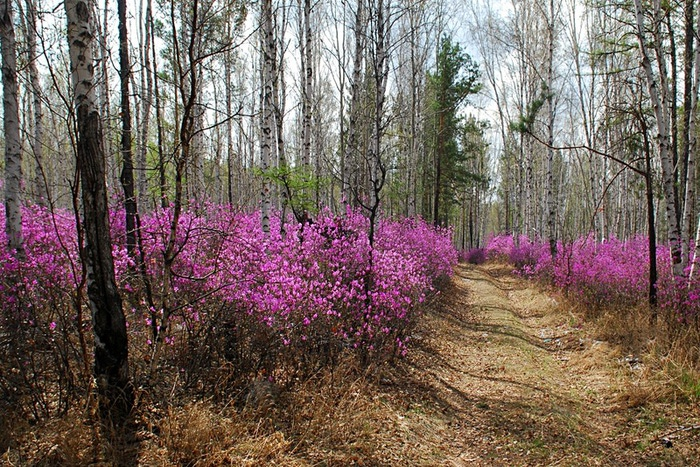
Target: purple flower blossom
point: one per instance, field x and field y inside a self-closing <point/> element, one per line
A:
<point x="601" y="274"/>
<point x="319" y="279"/>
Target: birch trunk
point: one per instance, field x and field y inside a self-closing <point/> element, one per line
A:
<point x="111" y="351"/>
<point x="660" y="106"/>
<point x="147" y="88"/>
<point x="279" y="102"/>
<point x="307" y="70"/>
<point x="228" y="96"/>
<point x="13" y="155"/>
<point x="526" y="152"/>
<point x="268" y="64"/>
<point x="551" y="208"/>
<point x="37" y="139"/>
<point x="162" y="181"/>
<point x="341" y="54"/>
<point x="692" y="148"/>
<point x="693" y="151"/>
<point x="352" y="146"/>
<point x="696" y="254"/>
<point x="103" y="87"/>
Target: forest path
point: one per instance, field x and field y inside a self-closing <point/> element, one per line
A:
<point x="517" y="382"/>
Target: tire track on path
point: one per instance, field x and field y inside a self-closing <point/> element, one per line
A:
<point x="514" y="379"/>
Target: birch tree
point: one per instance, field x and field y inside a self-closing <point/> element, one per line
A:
<point x="690" y="137"/>
<point x="37" y="136"/>
<point x="307" y="62"/>
<point x="659" y="95"/>
<point x="111" y="365"/>
<point x="13" y="155"/>
<point x="146" y="101"/>
<point x="266" y="142"/>
<point x="551" y="18"/>
<point x="352" y="151"/>
<point x="693" y="149"/>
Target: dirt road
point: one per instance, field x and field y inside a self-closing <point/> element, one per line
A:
<point x="501" y="374"/>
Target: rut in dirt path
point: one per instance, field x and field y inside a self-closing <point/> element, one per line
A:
<point x="517" y="380"/>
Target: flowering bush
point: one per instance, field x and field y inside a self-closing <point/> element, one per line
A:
<point x="612" y="272"/>
<point x="234" y="295"/>
<point x="499" y="247"/>
<point x="38" y="316"/>
<point x="600" y="274"/>
<point x="50" y="272"/>
<point x="678" y="295"/>
<point x="473" y="256"/>
<point x="524" y="253"/>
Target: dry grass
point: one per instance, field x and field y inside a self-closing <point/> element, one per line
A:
<point x="199" y="433"/>
<point x="664" y="357"/>
<point x="341" y="416"/>
<point x="629" y="329"/>
<point x="499" y="374"/>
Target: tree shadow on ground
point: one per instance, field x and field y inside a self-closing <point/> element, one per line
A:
<point x="510" y="415"/>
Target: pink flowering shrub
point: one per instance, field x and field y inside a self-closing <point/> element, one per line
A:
<point x="473" y="256"/>
<point x="499" y="247"/>
<point x="614" y="272"/>
<point x="523" y="254"/>
<point x="237" y="298"/>
<point x="603" y="273"/>
<point x="415" y="238"/>
<point x="38" y="318"/>
<point x="678" y="295"/>
<point x="50" y="271"/>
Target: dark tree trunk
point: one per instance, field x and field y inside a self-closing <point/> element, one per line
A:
<point x="111" y="357"/>
<point x="653" y="273"/>
<point x="127" y="175"/>
<point x="109" y="326"/>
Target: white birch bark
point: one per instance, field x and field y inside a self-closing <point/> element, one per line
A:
<point x="690" y="201"/>
<point x="551" y="208"/>
<point x="662" y="124"/>
<point x="146" y="102"/>
<point x="696" y="254"/>
<point x="266" y="141"/>
<point x="228" y="95"/>
<point x="109" y="326"/>
<point x="37" y="138"/>
<point x="13" y="155"/>
<point x="279" y="195"/>
<point x="690" y="185"/>
<point x="307" y="70"/>
<point x="103" y="86"/>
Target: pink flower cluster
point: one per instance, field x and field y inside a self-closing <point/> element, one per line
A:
<point x="47" y="279"/>
<point x="613" y="272"/>
<point x="317" y="279"/>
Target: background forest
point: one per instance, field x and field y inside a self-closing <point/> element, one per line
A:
<point x="248" y="190"/>
<point x="534" y="118"/>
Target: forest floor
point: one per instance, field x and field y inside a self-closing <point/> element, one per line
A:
<point x="499" y="373"/>
<point x="504" y="375"/>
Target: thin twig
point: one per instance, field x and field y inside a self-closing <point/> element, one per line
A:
<point x="678" y="430"/>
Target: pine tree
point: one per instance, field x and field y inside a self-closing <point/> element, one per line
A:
<point x="456" y="78"/>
